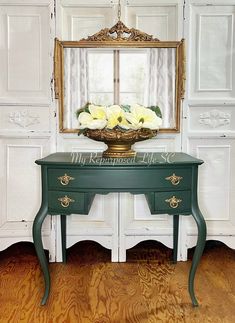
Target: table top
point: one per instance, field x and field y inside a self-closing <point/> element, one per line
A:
<point x="143" y="159"/>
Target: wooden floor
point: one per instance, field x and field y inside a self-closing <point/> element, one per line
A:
<point x="90" y="289"/>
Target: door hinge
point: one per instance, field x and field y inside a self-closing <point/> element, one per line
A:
<point x="55" y="8"/>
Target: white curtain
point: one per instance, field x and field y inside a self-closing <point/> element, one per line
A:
<point x="75" y="83"/>
<point x="162" y="83"/>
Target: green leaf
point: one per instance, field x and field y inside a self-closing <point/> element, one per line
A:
<point x="157" y="110"/>
<point x="83" y="109"/>
<point x="81" y="131"/>
<point x="126" y="107"/>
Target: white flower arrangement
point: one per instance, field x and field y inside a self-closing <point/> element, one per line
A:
<point x="124" y="117"/>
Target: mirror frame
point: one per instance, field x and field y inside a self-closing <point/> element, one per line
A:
<point x="119" y="36"/>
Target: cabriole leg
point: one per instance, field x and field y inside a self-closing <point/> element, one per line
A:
<point x="201" y="225"/>
<point x="37" y="239"/>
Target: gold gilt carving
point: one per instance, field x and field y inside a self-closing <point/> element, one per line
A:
<point x="119" y="142"/>
<point x="175" y="180"/>
<point x="65" y="179"/>
<point x="120" y="135"/>
<point x="65" y="201"/>
<point x="58" y="69"/>
<point x="120" y="32"/>
<point x="174" y="202"/>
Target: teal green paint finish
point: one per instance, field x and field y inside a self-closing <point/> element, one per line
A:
<point x="201" y="240"/>
<point x="145" y="174"/>
<point x="126" y="177"/>
<point x="63" y="220"/>
<point x="37" y="234"/>
<point x="81" y="202"/>
<point x="175" y="237"/>
<point x="95" y="159"/>
<point x="160" y="204"/>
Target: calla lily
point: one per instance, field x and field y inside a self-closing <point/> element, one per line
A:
<point x="116" y="117"/>
<point x="87" y="121"/>
<point x="141" y="117"/>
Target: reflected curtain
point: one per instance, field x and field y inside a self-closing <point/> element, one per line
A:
<point x="162" y="83"/>
<point x="75" y="83"/>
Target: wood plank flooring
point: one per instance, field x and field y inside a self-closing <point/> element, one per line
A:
<point x="90" y="289"/>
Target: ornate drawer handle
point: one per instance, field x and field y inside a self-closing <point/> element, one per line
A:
<point x="65" y="201"/>
<point x="64" y="180"/>
<point x="175" y="180"/>
<point x="174" y="202"/>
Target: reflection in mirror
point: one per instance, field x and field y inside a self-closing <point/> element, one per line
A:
<point x="100" y="72"/>
<point x="147" y="77"/>
<point x="104" y="76"/>
<point x="133" y="76"/>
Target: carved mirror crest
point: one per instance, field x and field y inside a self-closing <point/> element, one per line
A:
<point x="119" y="65"/>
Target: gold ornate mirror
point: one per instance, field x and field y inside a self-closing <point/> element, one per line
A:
<point x="119" y="66"/>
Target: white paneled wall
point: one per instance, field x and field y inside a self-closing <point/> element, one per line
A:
<point x="28" y="116"/>
<point x="209" y="125"/>
<point x="27" y="123"/>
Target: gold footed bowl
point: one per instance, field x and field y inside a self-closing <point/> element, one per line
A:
<point x="119" y="141"/>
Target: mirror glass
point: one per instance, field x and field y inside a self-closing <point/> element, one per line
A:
<point x="105" y="76"/>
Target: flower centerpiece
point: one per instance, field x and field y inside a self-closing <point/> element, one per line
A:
<point x="119" y="126"/>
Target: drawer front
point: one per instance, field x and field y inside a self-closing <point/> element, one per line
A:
<point x="115" y="179"/>
<point x="174" y="202"/>
<point x="65" y="202"/>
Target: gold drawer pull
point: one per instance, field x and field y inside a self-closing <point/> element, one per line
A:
<point x="65" y="201"/>
<point x="175" y="180"/>
<point x="174" y="202"/>
<point x="64" y="180"/>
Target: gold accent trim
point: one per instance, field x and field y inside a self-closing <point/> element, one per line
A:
<point x="119" y="36"/>
<point x="119" y="142"/>
<point x="65" y="179"/>
<point x="174" y="202"/>
<point x="65" y="201"/>
<point x="175" y="180"/>
<point x="57" y="68"/>
<point x="182" y="67"/>
<point x="120" y="32"/>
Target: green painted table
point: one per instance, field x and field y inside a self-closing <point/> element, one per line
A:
<point x="71" y="180"/>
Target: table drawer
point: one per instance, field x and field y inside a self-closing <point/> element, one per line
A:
<point x="65" y="202"/>
<point x="174" y="202"/>
<point x="120" y="179"/>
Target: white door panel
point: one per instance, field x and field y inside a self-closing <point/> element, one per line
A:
<point x="21" y="180"/>
<point x="26" y="116"/>
<point x="213" y="120"/>
<point x="155" y="18"/>
<point x="24" y="58"/>
<point x="25" y="119"/>
<point x="212" y="67"/>
<point x="77" y="20"/>
<point x="216" y="186"/>
<point x="209" y="119"/>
